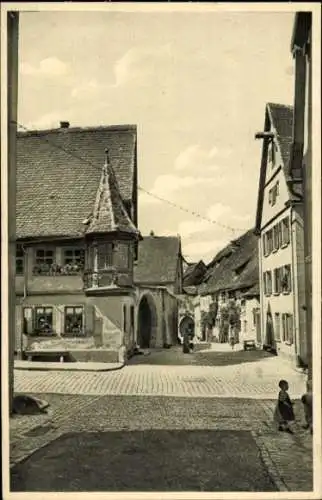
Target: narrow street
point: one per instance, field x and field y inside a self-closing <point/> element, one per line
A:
<point x="204" y="417"/>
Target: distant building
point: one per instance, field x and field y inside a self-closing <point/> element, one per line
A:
<point x="188" y="319"/>
<point x="279" y="225"/>
<point x="232" y="279"/>
<point x="158" y="278"/>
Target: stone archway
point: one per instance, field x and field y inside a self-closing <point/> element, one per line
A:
<point x="186" y="325"/>
<point x="147" y="322"/>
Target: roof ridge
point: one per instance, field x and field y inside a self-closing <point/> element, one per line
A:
<point x="110" y="128"/>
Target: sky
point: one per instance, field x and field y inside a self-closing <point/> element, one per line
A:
<point x="195" y="84"/>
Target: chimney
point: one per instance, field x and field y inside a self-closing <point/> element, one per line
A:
<point x="64" y="124"/>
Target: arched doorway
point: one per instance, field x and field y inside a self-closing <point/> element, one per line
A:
<point x="147" y="322"/>
<point x="187" y="325"/>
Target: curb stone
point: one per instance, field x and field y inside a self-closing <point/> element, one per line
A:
<point x="269" y="464"/>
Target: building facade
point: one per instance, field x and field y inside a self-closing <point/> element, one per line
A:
<point x="158" y="278"/>
<point x="76" y="241"/>
<point x="279" y="224"/>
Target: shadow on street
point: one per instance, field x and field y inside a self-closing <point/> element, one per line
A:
<point x="175" y="356"/>
<point x="152" y="460"/>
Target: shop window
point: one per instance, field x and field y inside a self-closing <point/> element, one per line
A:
<point x="43" y="320"/>
<point x="73" y="320"/>
<point x="20" y="260"/>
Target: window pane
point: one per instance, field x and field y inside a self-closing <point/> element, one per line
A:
<point x="49" y="253"/>
<point x="69" y="310"/>
<point x="79" y="310"/>
<point x="40" y="253"/>
<point x="69" y="253"/>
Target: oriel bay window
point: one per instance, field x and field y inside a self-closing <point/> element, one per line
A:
<point x="73" y="321"/>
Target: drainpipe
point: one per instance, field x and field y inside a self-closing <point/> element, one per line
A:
<point x="12" y="99"/>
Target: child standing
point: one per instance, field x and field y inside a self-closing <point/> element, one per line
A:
<point x="284" y="414"/>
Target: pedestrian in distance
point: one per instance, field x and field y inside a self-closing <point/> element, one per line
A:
<point x="284" y="413"/>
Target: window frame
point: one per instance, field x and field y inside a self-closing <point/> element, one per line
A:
<point x="286" y="231"/>
<point x="20" y="257"/>
<point x="37" y="317"/>
<point x="79" y="261"/>
<point x="39" y="262"/>
<point x="286" y="269"/>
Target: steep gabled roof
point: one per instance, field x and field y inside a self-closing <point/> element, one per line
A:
<point x="237" y="270"/>
<point x="158" y="258"/>
<point x="56" y="189"/>
<point x="279" y="120"/>
<point x="109" y="213"/>
<point x="194" y="274"/>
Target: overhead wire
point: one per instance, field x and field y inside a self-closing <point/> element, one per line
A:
<point x="140" y="188"/>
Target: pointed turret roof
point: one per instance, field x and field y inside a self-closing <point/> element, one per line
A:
<point x="109" y="213"/>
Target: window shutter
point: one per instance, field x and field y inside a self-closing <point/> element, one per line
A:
<point x="89" y="320"/>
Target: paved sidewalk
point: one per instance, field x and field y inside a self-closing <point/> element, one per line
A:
<point x="65" y="366"/>
<point x="281" y="454"/>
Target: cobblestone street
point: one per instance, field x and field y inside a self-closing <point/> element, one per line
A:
<point x="136" y="410"/>
<point x="253" y="376"/>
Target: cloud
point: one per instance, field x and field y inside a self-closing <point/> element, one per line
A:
<point x="196" y="157"/>
<point x="49" y="67"/>
<point x="139" y="63"/>
<point x="49" y="120"/>
<point x="242" y="218"/>
<point x="204" y="248"/>
<point x="87" y="89"/>
<point x="214" y="213"/>
<point x="166" y="185"/>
